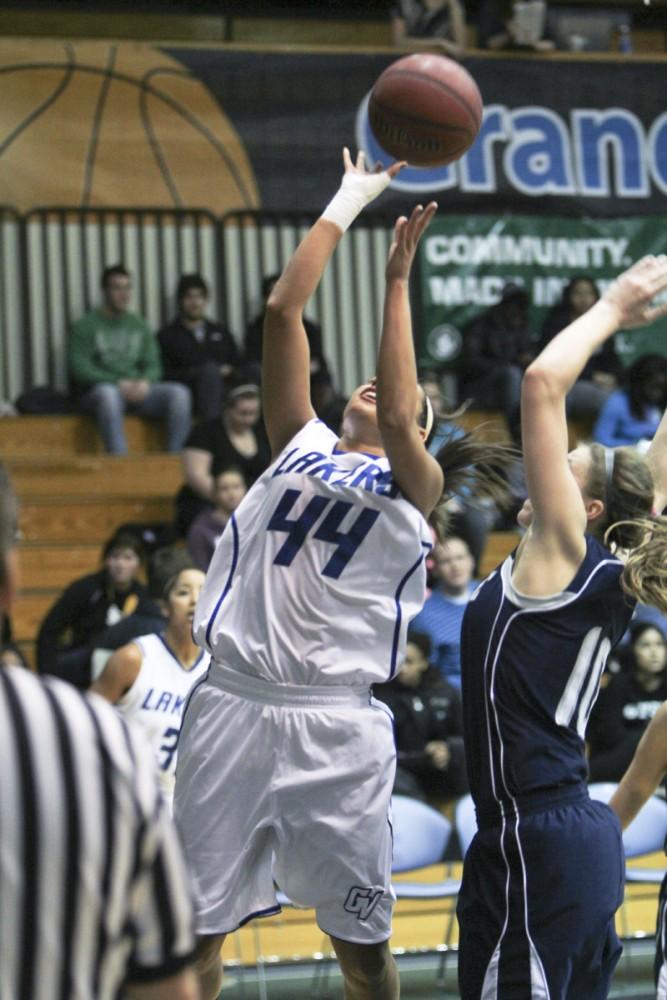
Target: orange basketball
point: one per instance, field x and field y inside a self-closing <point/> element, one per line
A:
<point x="425" y="109"/>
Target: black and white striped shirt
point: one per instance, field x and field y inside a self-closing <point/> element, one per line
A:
<point x="93" y="890"/>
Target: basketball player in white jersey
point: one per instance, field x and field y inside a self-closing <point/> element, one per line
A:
<point x="283" y="754"/>
<point x="149" y="680"/>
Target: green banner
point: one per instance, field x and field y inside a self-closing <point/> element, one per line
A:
<point x="466" y="260"/>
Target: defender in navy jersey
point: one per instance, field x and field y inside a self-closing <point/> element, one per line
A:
<point x="544" y="874"/>
<point x="286" y="764"/>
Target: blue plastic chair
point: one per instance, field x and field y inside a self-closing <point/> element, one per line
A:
<point x="646" y="834"/>
<point x="421" y="834"/>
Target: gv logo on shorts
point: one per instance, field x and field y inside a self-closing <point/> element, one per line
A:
<point x="362" y="901"/>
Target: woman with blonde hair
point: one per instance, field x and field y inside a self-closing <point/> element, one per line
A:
<point x="544" y="874"/>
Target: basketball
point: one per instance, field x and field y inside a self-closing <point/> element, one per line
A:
<point x="425" y="109"/>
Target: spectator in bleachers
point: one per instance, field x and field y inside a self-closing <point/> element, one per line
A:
<point x="627" y="704"/>
<point x="428" y="727"/>
<point x="440" y="618"/>
<point x="114" y="364"/>
<point x="89" y="604"/>
<point x="631" y="414"/>
<point x="163" y="565"/>
<point x="429" y="25"/>
<point x="196" y="351"/>
<point x="237" y="439"/>
<point x="229" y="488"/>
<point x="255" y="333"/>
<point x="601" y="373"/>
<point x="498" y="346"/>
<point x="505" y="24"/>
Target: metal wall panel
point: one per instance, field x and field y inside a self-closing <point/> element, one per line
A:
<point x="12" y="321"/>
<point x="67" y="250"/>
<point x="348" y="302"/>
<point x="52" y="259"/>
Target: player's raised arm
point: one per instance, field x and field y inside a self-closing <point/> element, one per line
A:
<point x="560" y="513"/>
<point x="286" y="359"/>
<point x="647" y="768"/>
<point x="657" y="460"/>
<point x="399" y="397"/>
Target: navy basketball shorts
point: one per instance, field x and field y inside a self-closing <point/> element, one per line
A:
<point x="661" y="945"/>
<point x="537" y="903"/>
<point x="290" y="785"/>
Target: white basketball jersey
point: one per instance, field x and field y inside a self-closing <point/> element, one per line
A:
<point x="318" y="572"/>
<point x="156" y="701"/>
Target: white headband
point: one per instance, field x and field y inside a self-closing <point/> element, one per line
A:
<point x="430" y="417"/>
<point x="609" y="459"/>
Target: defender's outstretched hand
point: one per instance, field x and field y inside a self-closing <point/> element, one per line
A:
<point x="358" y="188"/>
<point x="407" y="234"/>
<point x="632" y="293"/>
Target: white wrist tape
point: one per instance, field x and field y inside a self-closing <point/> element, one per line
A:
<point x="343" y="208"/>
<point x="356" y="191"/>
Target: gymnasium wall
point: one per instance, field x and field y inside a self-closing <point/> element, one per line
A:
<point x="128" y="127"/>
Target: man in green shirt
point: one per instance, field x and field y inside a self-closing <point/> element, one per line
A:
<point x="114" y="364"/>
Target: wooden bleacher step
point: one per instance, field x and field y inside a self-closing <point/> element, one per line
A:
<point x="150" y="475"/>
<point x="53" y="567"/>
<point x="28" y="614"/>
<point x="91" y="519"/>
<point x="56" y="434"/>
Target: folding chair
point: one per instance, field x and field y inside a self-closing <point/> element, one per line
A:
<point x="421" y="835"/>
<point x="646" y="834"/>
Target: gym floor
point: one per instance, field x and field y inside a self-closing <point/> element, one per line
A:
<point x="294" y="963"/>
<point x="419" y="979"/>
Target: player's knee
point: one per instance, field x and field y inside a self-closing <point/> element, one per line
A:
<point x="366" y="965"/>
<point x="207" y="955"/>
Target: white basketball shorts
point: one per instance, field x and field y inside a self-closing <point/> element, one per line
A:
<point x="281" y="782"/>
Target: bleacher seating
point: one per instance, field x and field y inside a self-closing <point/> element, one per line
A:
<point x="73" y="496"/>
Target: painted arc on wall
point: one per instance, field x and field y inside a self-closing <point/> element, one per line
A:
<point x="108" y="125"/>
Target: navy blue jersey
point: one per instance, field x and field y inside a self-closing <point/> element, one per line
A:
<point x="531" y="668"/>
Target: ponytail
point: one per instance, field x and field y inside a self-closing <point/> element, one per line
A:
<point x="476" y="468"/>
<point x="627" y="488"/>
<point x="644" y="575"/>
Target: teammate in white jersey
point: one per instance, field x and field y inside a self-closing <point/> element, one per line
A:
<point x="149" y="680"/>
<point x="283" y="755"/>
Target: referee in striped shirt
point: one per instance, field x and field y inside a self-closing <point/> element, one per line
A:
<point x="94" y="900"/>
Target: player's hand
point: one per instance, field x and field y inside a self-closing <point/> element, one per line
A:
<point x="407" y="234"/>
<point x="632" y="293"/>
<point x="366" y="185"/>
